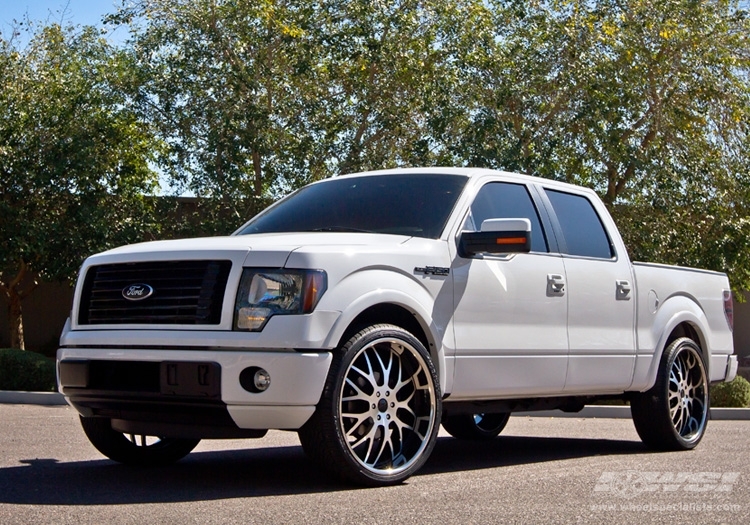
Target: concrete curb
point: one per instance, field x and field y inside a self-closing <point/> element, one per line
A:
<point x="12" y="397"/>
<point x="623" y="412"/>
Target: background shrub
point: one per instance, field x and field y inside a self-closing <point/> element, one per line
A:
<point x="735" y="394"/>
<point x="24" y="370"/>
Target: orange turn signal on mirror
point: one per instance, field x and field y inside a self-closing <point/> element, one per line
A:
<point x="511" y="240"/>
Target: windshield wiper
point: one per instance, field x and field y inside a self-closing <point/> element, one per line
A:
<point x="340" y="229"/>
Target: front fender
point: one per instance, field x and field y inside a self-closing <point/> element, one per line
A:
<point x="371" y="287"/>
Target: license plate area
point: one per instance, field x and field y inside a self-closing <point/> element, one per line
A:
<point x="169" y="379"/>
<point x="190" y="379"/>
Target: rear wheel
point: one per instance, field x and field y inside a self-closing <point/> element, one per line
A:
<point x="132" y="449"/>
<point x="673" y="414"/>
<point x="476" y="426"/>
<point x="378" y="416"/>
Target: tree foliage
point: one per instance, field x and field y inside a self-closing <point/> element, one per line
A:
<point x="630" y="97"/>
<point x="256" y="99"/>
<point x="647" y="102"/>
<point x="73" y="159"/>
<point x="231" y="87"/>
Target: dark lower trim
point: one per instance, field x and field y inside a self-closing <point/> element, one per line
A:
<point x="566" y="404"/>
<point x="135" y="413"/>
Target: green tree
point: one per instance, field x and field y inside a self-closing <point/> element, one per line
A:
<point x="230" y="89"/>
<point x="387" y="72"/>
<point x="645" y="101"/>
<point x="648" y="102"/>
<point x="256" y="99"/>
<point x="74" y="159"/>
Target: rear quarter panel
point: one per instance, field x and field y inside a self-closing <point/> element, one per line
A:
<point x="669" y="296"/>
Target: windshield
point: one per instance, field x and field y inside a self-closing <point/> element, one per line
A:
<point x="416" y="204"/>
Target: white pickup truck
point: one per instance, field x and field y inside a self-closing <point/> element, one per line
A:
<point x="366" y="310"/>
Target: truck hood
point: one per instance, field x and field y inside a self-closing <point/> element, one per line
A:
<point x="270" y="249"/>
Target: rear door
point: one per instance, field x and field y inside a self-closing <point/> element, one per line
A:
<point x="601" y="304"/>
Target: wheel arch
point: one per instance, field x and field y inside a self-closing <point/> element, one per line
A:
<point x="690" y="330"/>
<point x="389" y="313"/>
<point x="680" y="317"/>
<point x="396" y="308"/>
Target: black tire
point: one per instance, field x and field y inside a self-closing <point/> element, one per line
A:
<point x="476" y="426"/>
<point x="135" y="449"/>
<point x="673" y="414"/>
<point x="378" y="417"/>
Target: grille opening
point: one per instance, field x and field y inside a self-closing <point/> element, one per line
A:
<point x="184" y="292"/>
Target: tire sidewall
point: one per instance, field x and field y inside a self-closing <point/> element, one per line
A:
<point x="464" y="426"/>
<point x="117" y="447"/>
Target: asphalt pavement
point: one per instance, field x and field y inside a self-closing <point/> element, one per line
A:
<point x="540" y="470"/>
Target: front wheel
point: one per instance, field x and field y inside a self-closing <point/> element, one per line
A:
<point x="476" y="426"/>
<point x="672" y="415"/>
<point x="378" y="417"/>
<point x="135" y="449"/>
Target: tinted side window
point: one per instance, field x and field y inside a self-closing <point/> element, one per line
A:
<point x="583" y="230"/>
<point x="502" y="200"/>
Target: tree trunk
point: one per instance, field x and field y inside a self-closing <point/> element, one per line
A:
<point x="15" y="294"/>
<point x="258" y="174"/>
<point x="15" y="320"/>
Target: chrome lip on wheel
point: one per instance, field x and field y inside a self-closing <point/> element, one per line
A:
<point x="139" y="440"/>
<point x="688" y="395"/>
<point x="387" y="406"/>
<point x="489" y="422"/>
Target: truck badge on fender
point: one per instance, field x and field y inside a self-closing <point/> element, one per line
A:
<point x="433" y="270"/>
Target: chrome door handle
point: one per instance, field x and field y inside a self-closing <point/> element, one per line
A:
<point x="555" y="284"/>
<point x="623" y="290"/>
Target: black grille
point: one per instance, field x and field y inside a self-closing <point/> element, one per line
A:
<point x="184" y="292"/>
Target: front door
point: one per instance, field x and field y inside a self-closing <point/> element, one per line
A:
<point x="510" y="310"/>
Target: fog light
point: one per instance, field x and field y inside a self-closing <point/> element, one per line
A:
<point x="262" y="380"/>
<point x="255" y="379"/>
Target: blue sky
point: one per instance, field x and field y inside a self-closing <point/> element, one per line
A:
<point x="75" y="12"/>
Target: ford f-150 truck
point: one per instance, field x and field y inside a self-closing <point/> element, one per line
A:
<point x="366" y="310"/>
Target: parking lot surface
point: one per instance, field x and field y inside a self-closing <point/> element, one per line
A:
<point x="540" y="470"/>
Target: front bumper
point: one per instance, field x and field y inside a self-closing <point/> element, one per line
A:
<point x="192" y="390"/>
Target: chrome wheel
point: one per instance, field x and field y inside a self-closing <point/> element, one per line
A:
<point x="672" y="415"/>
<point x="688" y="394"/>
<point x="378" y="417"/>
<point x="387" y="406"/>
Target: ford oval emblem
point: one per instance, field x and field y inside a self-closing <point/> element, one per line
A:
<point x="137" y="292"/>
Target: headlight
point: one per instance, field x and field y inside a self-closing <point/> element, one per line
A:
<point x="265" y="293"/>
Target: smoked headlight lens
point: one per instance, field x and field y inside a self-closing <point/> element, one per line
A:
<point x="265" y="293"/>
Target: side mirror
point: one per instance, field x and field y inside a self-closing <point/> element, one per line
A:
<point x="497" y="236"/>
